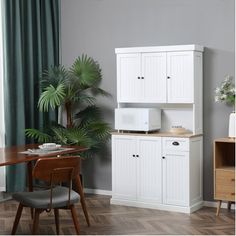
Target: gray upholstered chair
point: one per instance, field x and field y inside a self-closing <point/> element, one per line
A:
<point x="53" y="171"/>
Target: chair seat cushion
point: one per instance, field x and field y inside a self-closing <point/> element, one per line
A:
<point x="41" y="199"/>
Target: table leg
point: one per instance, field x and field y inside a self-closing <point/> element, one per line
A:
<point x="30" y="182"/>
<point x="82" y="200"/>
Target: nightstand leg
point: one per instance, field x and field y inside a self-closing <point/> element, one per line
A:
<point x="229" y="206"/>
<point x="218" y="207"/>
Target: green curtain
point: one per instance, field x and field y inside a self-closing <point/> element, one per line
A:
<point x="31" y="45"/>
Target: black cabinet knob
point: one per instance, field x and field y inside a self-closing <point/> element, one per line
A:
<point x="133" y="155"/>
<point x="168" y="77"/>
<point x="142" y="77"/>
<point x="138" y="77"/>
<point x="163" y="157"/>
<point x="137" y="155"/>
<point x="175" y="143"/>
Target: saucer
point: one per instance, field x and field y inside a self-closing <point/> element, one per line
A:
<point x="50" y="148"/>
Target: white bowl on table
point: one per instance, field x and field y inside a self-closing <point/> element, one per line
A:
<point x="49" y="146"/>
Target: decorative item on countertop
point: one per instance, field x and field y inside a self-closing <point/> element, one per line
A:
<point x="226" y="93"/>
<point x="178" y="129"/>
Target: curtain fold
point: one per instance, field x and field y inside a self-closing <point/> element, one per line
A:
<point x="31" y="45"/>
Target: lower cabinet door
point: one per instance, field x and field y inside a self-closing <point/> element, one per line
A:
<point x="124" y="172"/>
<point x="149" y="181"/>
<point x="176" y="178"/>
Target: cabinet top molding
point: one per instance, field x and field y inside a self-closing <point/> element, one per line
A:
<point x="191" y="47"/>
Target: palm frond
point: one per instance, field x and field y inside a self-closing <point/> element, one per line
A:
<point x="41" y="137"/>
<point x="100" y="131"/>
<point x="98" y="91"/>
<point x="60" y="135"/>
<point x="84" y="98"/>
<point x="79" y="137"/>
<point x="90" y="113"/>
<point x="52" y="96"/>
<point x="54" y="76"/>
<point x="87" y="71"/>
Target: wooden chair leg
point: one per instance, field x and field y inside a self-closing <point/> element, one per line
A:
<point x="229" y="206"/>
<point x="17" y="218"/>
<point x="56" y="214"/>
<point x="82" y="199"/>
<point x="218" y="207"/>
<point x="32" y="213"/>
<point x="36" y="220"/>
<point x="75" y="219"/>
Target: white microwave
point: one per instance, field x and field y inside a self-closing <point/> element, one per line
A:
<point x="137" y="119"/>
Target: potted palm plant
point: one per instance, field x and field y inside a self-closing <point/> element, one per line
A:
<point x="74" y="90"/>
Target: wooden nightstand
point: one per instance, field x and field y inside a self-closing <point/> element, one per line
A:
<point x="224" y="171"/>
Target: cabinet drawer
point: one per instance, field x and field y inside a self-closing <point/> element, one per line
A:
<point x="175" y="144"/>
<point x="225" y="185"/>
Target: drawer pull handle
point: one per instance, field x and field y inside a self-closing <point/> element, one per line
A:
<point x="233" y="180"/>
<point x="175" y="143"/>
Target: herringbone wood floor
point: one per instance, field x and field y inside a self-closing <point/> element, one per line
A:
<point x="112" y="219"/>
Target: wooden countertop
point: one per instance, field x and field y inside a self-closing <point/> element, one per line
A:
<point x="225" y="140"/>
<point x="158" y="134"/>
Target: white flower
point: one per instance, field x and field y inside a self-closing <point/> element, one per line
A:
<point x="226" y="91"/>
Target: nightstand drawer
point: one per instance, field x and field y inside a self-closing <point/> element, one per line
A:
<point x="225" y="185"/>
<point x="175" y="144"/>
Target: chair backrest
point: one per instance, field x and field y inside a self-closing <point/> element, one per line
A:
<point x="57" y="169"/>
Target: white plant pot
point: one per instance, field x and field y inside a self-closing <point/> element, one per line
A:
<point x="232" y="120"/>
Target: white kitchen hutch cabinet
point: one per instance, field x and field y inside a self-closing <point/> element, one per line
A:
<point x="160" y="170"/>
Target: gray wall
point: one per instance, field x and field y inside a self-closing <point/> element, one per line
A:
<point x="96" y="27"/>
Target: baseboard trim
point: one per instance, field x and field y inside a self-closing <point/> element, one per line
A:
<point x="214" y="204"/>
<point x="98" y="191"/>
<point x="109" y="193"/>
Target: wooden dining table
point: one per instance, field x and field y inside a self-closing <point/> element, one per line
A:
<point x="13" y="155"/>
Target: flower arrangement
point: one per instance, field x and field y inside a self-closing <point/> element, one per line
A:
<point x="226" y="91"/>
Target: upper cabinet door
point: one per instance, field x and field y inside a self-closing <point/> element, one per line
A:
<point x="154" y="77"/>
<point x="129" y="83"/>
<point x="180" y="76"/>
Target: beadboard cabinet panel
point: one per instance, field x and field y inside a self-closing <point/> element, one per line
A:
<point x="129" y="87"/>
<point x="154" y="77"/>
<point x="180" y="77"/>
<point x="124" y="167"/>
<point x="149" y="177"/>
<point x="176" y="178"/>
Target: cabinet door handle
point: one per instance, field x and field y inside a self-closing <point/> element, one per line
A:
<point x="137" y="155"/>
<point x="163" y="157"/>
<point x="142" y="77"/>
<point x="175" y="143"/>
<point x="232" y="194"/>
<point x="138" y="77"/>
<point x="233" y="180"/>
<point x="133" y="155"/>
<point x="168" y="77"/>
